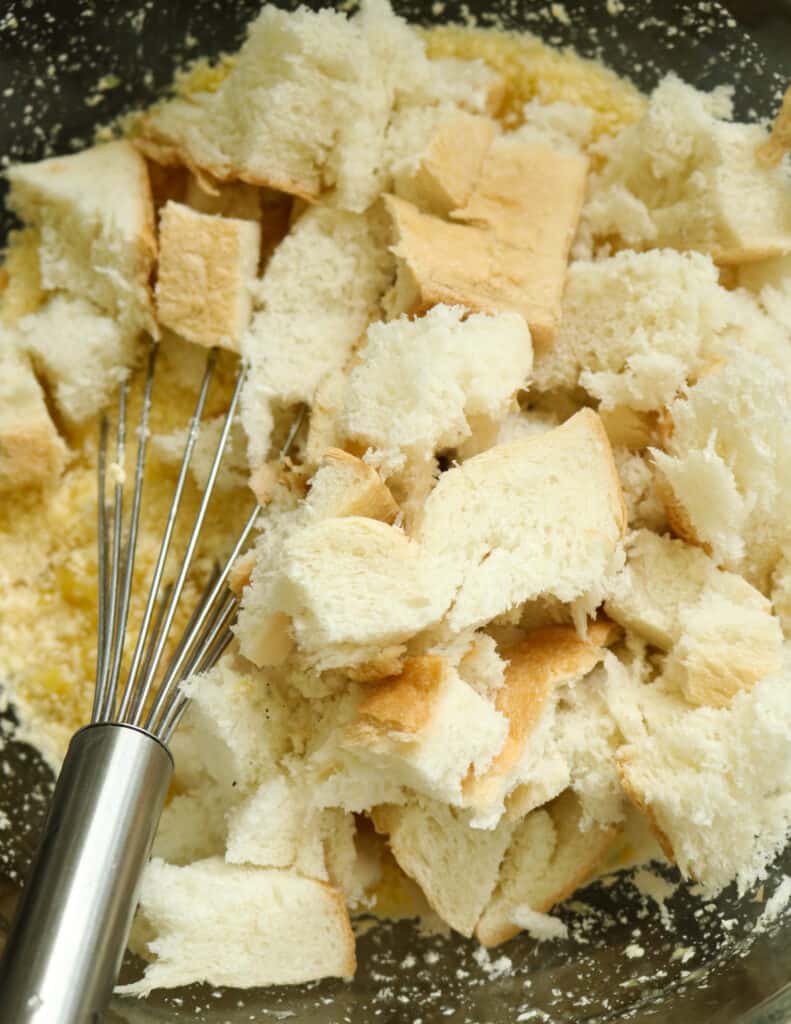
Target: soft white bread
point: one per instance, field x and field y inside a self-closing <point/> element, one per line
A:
<point x="506" y="248"/>
<point x="96" y="220"/>
<point x="563" y="126"/>
<point x="81" y="353"/>
<point x="537" y="667"/>
<point x="549" y="857"/>
<point x="278" y="928"/>
<point x="306" y="105"/>
<point x="319" y="292"/>
<point x="441" y="178"/>
<point x="342" y="589"/>
<point x="233" y="470"/>
<point x="708" y="778"/>
<point x="21" y="291"/>
<point x="346" y="486"/>
<point x="686" y="177"/>
<point x="428" y="729"/>
<point x="31" y="450"/>
<point x="207" y="267"/>
<point x="719" y="630"/>
<point x="542" y="516"/>
<point x="634" y="327"/>
<point x="725" y="476"/>
<point x="454" y="864"/>
<point x="420" y="383"/>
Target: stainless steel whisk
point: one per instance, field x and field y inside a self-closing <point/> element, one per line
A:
<point x="65" y="948"/>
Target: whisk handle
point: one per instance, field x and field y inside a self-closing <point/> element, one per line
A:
<point x="65" y="949"/>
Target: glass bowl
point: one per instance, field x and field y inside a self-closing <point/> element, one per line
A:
<point x="691" y="962"/>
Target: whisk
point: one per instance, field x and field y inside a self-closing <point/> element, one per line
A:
<point x="65" y="948"/>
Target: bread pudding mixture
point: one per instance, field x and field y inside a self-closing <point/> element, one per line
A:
<point x="522" y="591"/>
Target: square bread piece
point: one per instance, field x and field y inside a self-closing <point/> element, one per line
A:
<point x="207" y="266"/>
<point x="96" y="220"/>
<point x="506" y="249"/>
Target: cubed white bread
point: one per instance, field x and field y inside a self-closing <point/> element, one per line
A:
<point x="634" y="327"/>
<point x="542" y="516"/>
<point x="346" y="486"/>
<point x="32" y="451"/>
<point x="725" y="477"/>
<point x="566" y="127"/>
<point x="81" y="353"/>
<point x="306" y="105"/>
<point x="537" y="668"/>
<point x="419" y="383"/>
<point x="96" y="219"/>
<point x="662" y="577"/>
<point x="550" y="855"/>
<point x="694" y="179"/>
<point x="207" y="267"/>
<point x="707" y="779"/>
<point x="454" y="864"/>
<point x="278" y="928"/>
<point x="243" y="721"/>
<point x="508" y="246"/>
<point x="719" y="630"/>
<point x="441" y="178"/>
<point x="342" y="589"/>
<point x="771" y="152"/>
<point x="428" y="729"/>
<point x="319" y="292"/>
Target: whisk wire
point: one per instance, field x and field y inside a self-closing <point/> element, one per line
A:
<point x="131" y="688"/>
<point x="147" y="683"/>
<point x="131" y="542"/>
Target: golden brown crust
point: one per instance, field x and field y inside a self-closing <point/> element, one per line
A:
<point x="405" y="703"/>
<point x="453" y="161"/>
<point x="349" y="954"/>
<point x="677" y="515"/>
<point x="241" y="571"/>
<point x="171" y="154"/>
<point x="546" y="658"/>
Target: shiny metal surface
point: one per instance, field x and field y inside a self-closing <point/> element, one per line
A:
<point x="73" y="921"/>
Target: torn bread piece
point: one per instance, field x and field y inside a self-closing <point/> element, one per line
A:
<point x="719" y="631"/>
<point x="341" y="590"/>
<point x="344" y="76"/>
<point x="419" y="384"/>
<point x="95" y="216"/>
<point x="537" y="667"/>
<point x="507" y="248"/>
<point x="687" y="177"/>
<point x="427" y="729"/>
<point x="346" y="486"/>
<point x="21" y="291"/>
<point x="80" y="352"/>
<point x="319" y="292"/>
<point x="279" y="928"/>
<point x="549" y="857"/>
<point x="707" y="780"/>
<point x="443" y="176"/>
<point x="541" y="516"/>
<point x="207" y="267"/>
<point x="635" y="328"/>
<point x="725" y="474"/>
<point x="454" y="864"/>
<point x="31" y="450"/>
